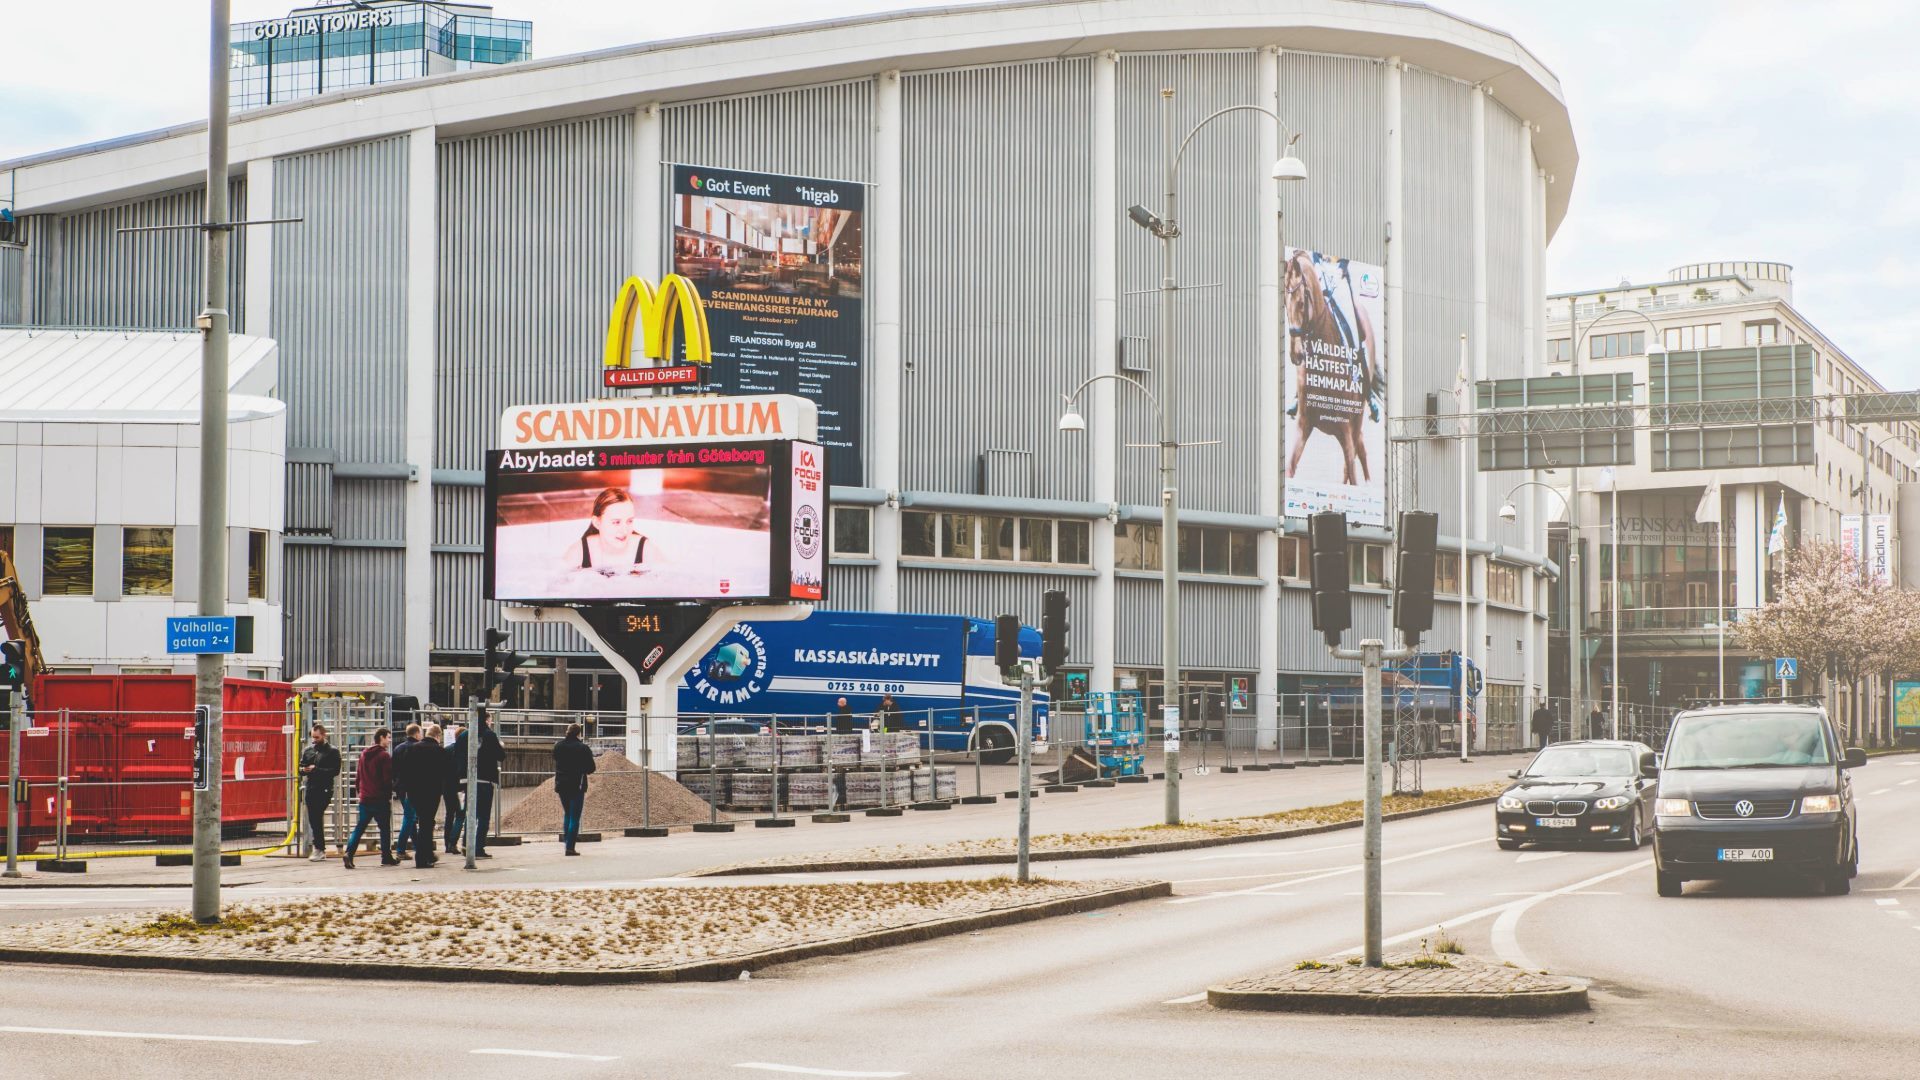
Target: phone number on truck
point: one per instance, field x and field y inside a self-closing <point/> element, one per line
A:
<point x="849" y="687"/>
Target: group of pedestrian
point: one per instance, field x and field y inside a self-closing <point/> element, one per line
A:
<point x="1543" y="722"/>
<point x="426" y="771"/>
<point x="886" y="717"/>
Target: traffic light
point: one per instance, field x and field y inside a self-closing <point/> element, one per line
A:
<point x="510" y="682"/>
<point x="1332" y="603"/>
<point x="13" y="665"/>
<point x="1006" y="643"/>
<point x="1053" y="630"/>
<point x="1418" y="535"/>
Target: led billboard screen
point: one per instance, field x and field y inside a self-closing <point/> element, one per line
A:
<point x="630" y="523"/>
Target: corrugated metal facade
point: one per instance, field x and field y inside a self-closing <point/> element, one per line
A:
<point x="339" y="315"/>
<point x="88" y="273"/>
<point x="1216" y="330"/>
<point x="13" y="284"/>
<point x="998" y="297"/>
<point x="985" y="594"/>
<point x="1302" y="650"/>
<point x="824" y="131"/>
<point x="1438" y="292"/>
<point x="1507" y="300"/>
<point x="1339" y="105"/>
<point x="1219" y="624"/>
<point x="535" y="234"/>
<point x="850" y="588"/>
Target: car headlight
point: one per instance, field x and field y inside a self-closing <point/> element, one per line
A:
<point x="1612" y="802"/>
<point x="1820" y="804"/>
<point x="1511" y="802"/>
<point x="1673" y="808"/>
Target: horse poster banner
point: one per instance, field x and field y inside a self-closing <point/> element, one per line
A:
<point x="1335" y="388"/>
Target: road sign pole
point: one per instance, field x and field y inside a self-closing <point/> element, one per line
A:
<point x="473" y="780"/>
<point x="1026" y="766"/>
<point x="1372" y="655"/>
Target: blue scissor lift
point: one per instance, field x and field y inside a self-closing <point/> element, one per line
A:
<point x="1117" y="732"/>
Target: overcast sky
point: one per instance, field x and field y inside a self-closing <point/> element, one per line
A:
<point x="1713" y="129"/>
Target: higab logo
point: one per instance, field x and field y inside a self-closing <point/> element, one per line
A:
<point x="1368" y="285"/>
<point x="818" y="198"/>
<point x="806" y="468"/>
<point x="693" y="182"/>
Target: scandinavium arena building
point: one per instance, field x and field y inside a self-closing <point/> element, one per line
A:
<point x="464" y="236"/>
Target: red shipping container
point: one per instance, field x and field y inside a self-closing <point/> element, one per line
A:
<point x="130" y="755"/>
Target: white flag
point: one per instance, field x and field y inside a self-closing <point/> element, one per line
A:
<point x="1777" y="539"/>
<point x="1709" y="508"/>
<point x="1606" y="481"/>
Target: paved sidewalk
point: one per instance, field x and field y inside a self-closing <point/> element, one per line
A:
<point x="617" y="859"/>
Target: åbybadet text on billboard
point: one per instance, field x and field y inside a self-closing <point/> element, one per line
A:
<point x="634" y="501"/>
<point x="1336" y="387"/>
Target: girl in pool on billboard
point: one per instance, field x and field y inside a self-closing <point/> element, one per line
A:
<point x="610" y="546"/>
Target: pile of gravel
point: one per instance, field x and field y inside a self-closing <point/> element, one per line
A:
<point x="613" y="801"/>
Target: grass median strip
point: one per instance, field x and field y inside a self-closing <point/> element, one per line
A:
<point x="1138" y="840"/>
<point x="550" y="935"/>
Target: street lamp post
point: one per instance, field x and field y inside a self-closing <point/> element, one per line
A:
<point x="1577" y="661"/>
<point x="1166" y="227"/>
<point x="1508" y="513"/>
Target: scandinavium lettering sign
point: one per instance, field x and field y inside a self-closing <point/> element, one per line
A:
<point x="332" y="23"/>
<point x="659" y="420"/>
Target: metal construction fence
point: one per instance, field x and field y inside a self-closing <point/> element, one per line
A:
<point x="104" y="783"/>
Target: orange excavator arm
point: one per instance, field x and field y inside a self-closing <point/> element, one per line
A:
<point x="14" y="616"/>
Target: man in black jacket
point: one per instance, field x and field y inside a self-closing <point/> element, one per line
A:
<point x="453" y="784"/>
<point x="319" y="764"/>
<point x="491" y="755"/>
<point x="1543" y="724"/>
<point x="421" y="773"/>
<point x="572" y="764"/>
<point x="407" y="830"/>
<point x="842" y="718"/>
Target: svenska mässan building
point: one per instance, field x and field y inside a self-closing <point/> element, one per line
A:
<point x="464" y="235"/>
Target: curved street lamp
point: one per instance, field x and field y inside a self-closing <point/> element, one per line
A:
<point x="1166" y="227"/>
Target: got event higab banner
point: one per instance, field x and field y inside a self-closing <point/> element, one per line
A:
<point x="1336" y="387"/>
<point x="778" y="263"/>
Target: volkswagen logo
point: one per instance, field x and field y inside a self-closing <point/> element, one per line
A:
<point x="1744" y="808"/>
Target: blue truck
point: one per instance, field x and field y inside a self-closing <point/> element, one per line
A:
<point x="1426" y="683"/>
<point x="938" y="669"/>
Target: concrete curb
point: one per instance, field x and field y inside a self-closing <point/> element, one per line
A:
<point x="1120" y="851"/>
<point x="698" y="971"/>
<point x="1529" y="1003"/>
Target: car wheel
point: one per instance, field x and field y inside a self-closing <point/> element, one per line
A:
<point x="996" y="745"/>
<point x="1839" y="883"/>
<point x="1634" y="839"/>
<point x="1853" y="864"/>
<point x="1507" y="845"/>
<point x="1667" y="883"/>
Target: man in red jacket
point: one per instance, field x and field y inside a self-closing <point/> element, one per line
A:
<point x="375" y="789"/>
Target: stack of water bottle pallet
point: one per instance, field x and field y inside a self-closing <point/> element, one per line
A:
<point x="815" y="772"/>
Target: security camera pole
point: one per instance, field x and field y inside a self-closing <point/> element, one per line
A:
<point x="1415" y="538"/>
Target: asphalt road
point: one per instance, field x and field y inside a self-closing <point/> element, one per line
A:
<point x="1723" y="983"/>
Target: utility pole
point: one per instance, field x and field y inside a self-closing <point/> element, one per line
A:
<point x="17" y="716"/>
<point x="1372" y="655"/>
<point x="475" y="711"/>
<point x="210" y="668"/>
<point x="1465" y="574"/>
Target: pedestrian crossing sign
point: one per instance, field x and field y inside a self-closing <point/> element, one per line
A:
<point x="1786" y="667"/>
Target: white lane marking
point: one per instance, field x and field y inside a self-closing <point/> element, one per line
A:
<point x="1389" y="892"/>
<point x="1882" y="791"/>
<point x="1506" y="937"/>
<point x="1272" y="854"/>
<point x="1887" y="903"/>
<point x="1904" y="783"/>
<point x="1254" y="877"/>
<point x="554" y="1054"/>
<point x="802" y="1069"/>
<point x="1901" y="884"/>
<point x="1188" y="1000"/>
<point x="89" y="1033"/>
<point x="1476" y="916"/>
<point x="1536" y="856"/>
<point x="1259" y="889"/>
